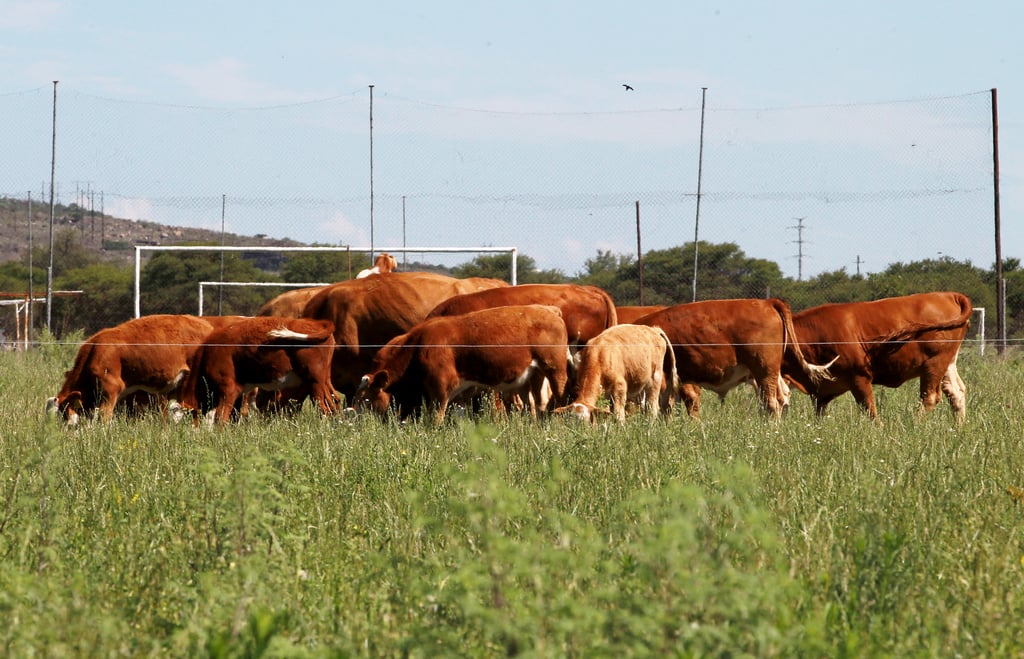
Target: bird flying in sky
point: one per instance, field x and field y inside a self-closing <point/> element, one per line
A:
<point x="628" y="88"/>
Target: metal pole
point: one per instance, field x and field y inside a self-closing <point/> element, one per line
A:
<point x="1000" y="290"/>
<point x="639" y="253"/>
<point x="371" y="174"/>
<point x="405" y="255"/>
<point x="220" y="289"/>
<point x="31" y="293"/>
<point x="53" y="173"/>
<point x="138" y="283"/>
<point x="700" y="175"/>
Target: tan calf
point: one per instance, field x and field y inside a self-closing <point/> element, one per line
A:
<point x="632" y="363"/>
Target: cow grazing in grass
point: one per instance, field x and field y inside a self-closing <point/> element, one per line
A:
<point x="291" y="355"/>
<point x="630" y="363"/>
<point x="501" y="349"/>
<point x="720" y="344"/>
<point x="148" y="355"/>
<point x="885" y="342"/>
<point x="369" y="312"/>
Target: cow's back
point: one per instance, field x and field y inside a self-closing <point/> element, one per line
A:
<point x="710" y="335"/>
<point x="586" y="310"/>
<point x="290" y="303"/>
<point x="627" y="314"/>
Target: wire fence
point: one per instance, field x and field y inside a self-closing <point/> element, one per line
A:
<point x="847" y="187"/>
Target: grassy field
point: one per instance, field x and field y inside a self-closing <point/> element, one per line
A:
<point x="306" y="536"/>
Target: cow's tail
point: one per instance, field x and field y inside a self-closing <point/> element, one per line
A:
<point x="669" y="365"/>
<point x="315" y="333"/>
<point x="910" y="330"/>
<point x="612" y="314"/>
<point x="816" y="373"/>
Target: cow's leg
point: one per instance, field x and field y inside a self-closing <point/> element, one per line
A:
<point x="228" y="396"/>
<point x="930" y="391"/>
<point x="690" y="393"/>
<point x="860" y="387"/>
<point x="956" y="392"/>
<point x="111" y="388"/>
<point x="617" y="394"/>
<point x="652" y="395"/>
<point x="768" y="393"/>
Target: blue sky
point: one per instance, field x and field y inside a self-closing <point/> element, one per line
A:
<point x="550" y="59"/>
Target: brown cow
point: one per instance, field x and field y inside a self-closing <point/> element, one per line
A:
<point x="383" y="263"/>
<point x="273" y="354"/>
<point x="630" y="363"/>
<point x="149" y="354"/>
<point x="720" y="344"/>
<point x="290" y="303"/>
<point x="628" y="313"/>
<point x="886" y="342"/>
<point x="587" y="310"/>
<point x="498" y="348"/>
<point x="369" y="312"/>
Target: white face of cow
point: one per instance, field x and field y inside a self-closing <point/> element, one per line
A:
<point x="581" y="411"/>
<point x="53" y="411"/>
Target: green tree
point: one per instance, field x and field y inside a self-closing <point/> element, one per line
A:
<point x="723" y="272"/>
<point x="835" y="286"/>
<point x="499" y="266"/>
<point x="323" y="266"/>
<point x="106" y="299"/>
<point x="614" y="273"/>
<point x="169" y="283"/>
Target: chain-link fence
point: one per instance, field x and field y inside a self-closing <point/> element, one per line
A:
<point x="852" y="187"/>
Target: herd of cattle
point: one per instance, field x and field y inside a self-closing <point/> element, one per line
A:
<point x="413" y="342"/>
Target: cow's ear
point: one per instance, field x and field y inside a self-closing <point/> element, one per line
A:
<point x="74" y="400"/>
<point x="380" y="379"/>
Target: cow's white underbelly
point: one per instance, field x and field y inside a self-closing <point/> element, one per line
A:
<point x="512" y="385"/>
<point x="734" y="377"/>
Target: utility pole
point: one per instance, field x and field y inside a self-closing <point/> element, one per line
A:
<point x="371" y="174"/>
<point x="700" y="176"/>
<point x="53" y="174"/>
<point x="800" y="246"/>
<point x="859" y="261"/>
<point x="31" y="293"/>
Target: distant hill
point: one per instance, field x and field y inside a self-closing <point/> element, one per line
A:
<point x="111" y="238"/>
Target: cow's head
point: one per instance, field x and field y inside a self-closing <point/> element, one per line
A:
<point x="583" y="412"/>
<point x="372" y="393"/>
<point x="69" y="409"/>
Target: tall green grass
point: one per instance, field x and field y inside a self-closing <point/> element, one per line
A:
<point x="324" y="537"/>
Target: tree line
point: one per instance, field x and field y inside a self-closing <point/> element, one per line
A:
<point x="169" y="280"/>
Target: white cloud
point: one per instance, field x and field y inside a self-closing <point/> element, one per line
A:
<point x="28" y="14"/>
<point x="131" y="208"/>
<point x="339" y="229"/>
<point x="226" y="81"/>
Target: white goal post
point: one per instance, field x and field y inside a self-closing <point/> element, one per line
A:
<point x="139" y="249"/>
